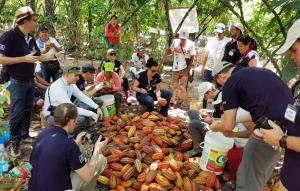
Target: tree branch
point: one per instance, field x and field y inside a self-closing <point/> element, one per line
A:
<point x="282" y="29"/>
<point x="169" y="28"/>
<point x="133" y="13"/>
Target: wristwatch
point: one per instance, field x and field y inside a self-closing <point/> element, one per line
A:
<point x="282" y="142"/>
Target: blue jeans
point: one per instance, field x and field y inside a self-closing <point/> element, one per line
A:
<point x="148" y="101"/>
<point x="21" y="95"/>
<point x="207" y="76"/>
<point x="48" y="74"/>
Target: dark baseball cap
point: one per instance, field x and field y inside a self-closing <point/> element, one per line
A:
<point x="71" y="69"/>
<point x="88" y="68"/>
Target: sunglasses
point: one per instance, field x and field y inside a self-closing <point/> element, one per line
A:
<point x="154" y="71"/>
<point x="112" y="54"/>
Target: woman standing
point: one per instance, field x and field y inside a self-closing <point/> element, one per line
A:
<point x="113" y="32"/>
<point x="247" y="47"/>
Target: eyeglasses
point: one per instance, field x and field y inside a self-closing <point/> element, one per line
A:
<point x="112" y="54"/>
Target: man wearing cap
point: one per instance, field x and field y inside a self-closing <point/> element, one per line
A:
<point x="139" y="60"/>
<point x="111" y="83"/>
<point x="49" y="45"/>
<point x="290" y="141"/>
<point x="262" y="100"/>
<point x="19" y="52"/>
<point x="214" y="51"/>
<point x="231" y="52"/>
<point x="196" y="126"/>
<point x="61" y="91"/>
<point x="184" y="53"/>
<point x="119" y="69"/>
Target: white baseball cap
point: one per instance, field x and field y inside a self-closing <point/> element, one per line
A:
<point x="220" y="28"/>
<point x="203" y="88"/>
<point x="110" y="51"/>
<point x="184" y="34"/>
<point x="239" y="26"/>
<point x="292" y="35"/>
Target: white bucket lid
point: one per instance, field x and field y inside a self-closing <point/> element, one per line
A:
<point x="218" y="140"/>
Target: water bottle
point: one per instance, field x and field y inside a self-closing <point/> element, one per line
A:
<point x="4" y="162"/>
<point x="22" y="171"/>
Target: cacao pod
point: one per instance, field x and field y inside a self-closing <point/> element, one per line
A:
<point x="112" y="181"/>
<point x="145" y="115"/>
<point x="128" y="174"/>
<point x="112" y="158"/>
<point x="169" y="174"/>
<point x="178" y="181"/>
<point x="138" y="165"/>
<point x="127" y="160"/>
<point x="131" y="131"/>
<point x="116" y="166"/>
<point x="211" y="180"/>
<point x="162" y="180"/>
<point x="127" y="183"/>
<point x="150" y="176"/>
<point x="159" y="132"/>
<point x="156" y="187"/>
<point x="187" y="186"/>
<point x="141" y="177"/>
<point x="158" y="156"/>
<point x="120" y="188"/>
<point x="125" y="168"/>
<point x="103" y="180"/>
<point x="163" y="165"/>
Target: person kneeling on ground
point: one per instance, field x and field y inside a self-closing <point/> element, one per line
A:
<point x="111" y="83"/>
<point x="54" y="156"/>
<point x="147" y="86"/>
<point x="61" y="91"/>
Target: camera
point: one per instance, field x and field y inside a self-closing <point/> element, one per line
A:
<point x="51" y="108"/>
<point x="262" y="122"/>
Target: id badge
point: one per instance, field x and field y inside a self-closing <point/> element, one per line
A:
<point x="231" y="52"/>
<point x="290" y="113"/>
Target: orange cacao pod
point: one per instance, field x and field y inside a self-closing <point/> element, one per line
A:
<point x="128" y="174"/>
<point x="141" y="177"/>
<point x="112" y="181"/>
<point x="195" y="186"/>
<point x="125" y="168"/>
<point x="217" y="185"/>
<point x="158" y="156"/>
<point x="131" y="131"/>
<point x="145" y="115"/>
<point x="157" y="140"/>
<point x="174" y="165"/>
<point x="200" y="180"/>
<point x="150" y="176"/>
<point x="178" y="156"/>
<point x="169" y="174"/>
<point x="211" y="179"/>
<point x="131" y="154"/>
<point x="175" y="188"/>
<point x="120" y="188"/>
<point x="187" y="185"/>
<point x="161" y="180"/>
<point x="163" y="165"/>
<point x="112" y="158"/>
<point x="127" y="183"/>
<point x="116" y="166"/>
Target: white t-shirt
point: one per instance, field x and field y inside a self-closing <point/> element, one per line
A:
<point x="41" y="44"/>
<point x="180" y="54"/>
<point x="240" y="142"/>
<point x="215" y="49"/>
<point x="139" y="61"/>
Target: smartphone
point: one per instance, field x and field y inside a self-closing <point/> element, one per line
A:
<point x="37" y="53"/>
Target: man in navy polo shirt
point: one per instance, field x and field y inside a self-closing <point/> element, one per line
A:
<point x="55" y="156"/>
<point x="19" y="52"/>
<point x="255" y="90"/>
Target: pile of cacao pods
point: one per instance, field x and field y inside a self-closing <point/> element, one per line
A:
<point x="147" y="153"/>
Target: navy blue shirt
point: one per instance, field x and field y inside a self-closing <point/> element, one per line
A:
<point x="52" y="159"/>
<point x="291" y="168"/>
<point x="231" y="52"/>
<point x="258" y="91"/>
<point x="80" y="83"/>
<point x="14" y="44"/>
<point x="150" y="86"/>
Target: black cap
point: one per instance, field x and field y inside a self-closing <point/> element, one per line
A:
<point x="43" y="28"/>
<point x="88" y="68"/>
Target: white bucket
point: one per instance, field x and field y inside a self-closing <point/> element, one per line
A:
<point x="214" y="153"/>
<point x="108" y="107"/>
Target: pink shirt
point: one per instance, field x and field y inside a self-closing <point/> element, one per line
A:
<point x="109" y="30"/>
<point x="115" y="80"/>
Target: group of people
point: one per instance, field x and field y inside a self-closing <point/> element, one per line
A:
<point x="254" y="106"/>
<point x="250" y="99"/>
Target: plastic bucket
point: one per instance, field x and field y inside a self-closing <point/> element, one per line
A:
<point x="108" y="107"/>
<point x="214" y="153"/>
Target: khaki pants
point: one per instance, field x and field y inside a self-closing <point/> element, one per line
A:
<point x="178" y="85"/>
<point x="79" y="185"/>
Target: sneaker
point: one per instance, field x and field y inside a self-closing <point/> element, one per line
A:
<point x="130" y="100"/>
<point x="15" y="150"/>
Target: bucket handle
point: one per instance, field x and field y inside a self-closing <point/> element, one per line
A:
<point x="202" y="145"/>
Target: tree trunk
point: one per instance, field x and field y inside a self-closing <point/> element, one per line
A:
<point x="169" y="33"/>
<point x="50" y="15"/>
<point x="90" y="21"/>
